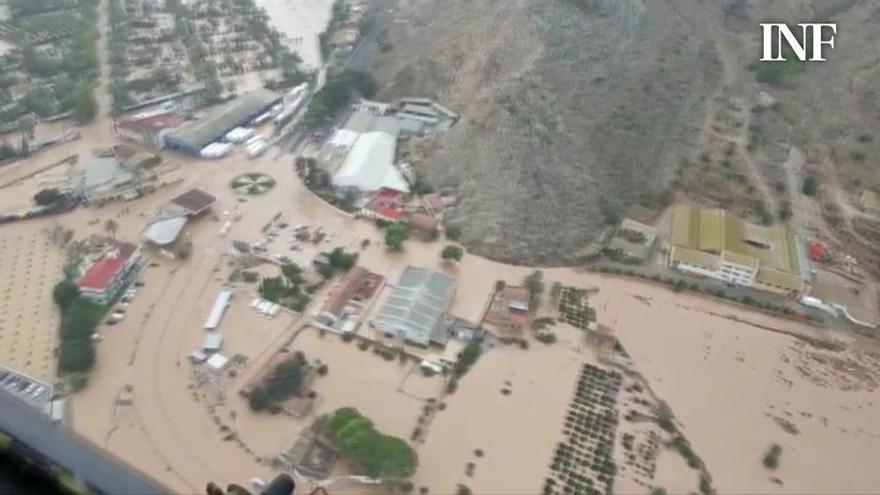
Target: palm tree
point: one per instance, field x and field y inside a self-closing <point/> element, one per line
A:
<point x="111" y="227"/>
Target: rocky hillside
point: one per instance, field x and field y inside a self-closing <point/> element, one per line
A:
<point x="575" y="110"/>
<point x="572" y="110"/>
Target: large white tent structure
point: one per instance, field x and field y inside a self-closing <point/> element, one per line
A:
<point x="369" y="165"/>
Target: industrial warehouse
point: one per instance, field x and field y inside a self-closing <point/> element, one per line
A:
<point x="193" y="137"/>
<point x="716" y="244"/>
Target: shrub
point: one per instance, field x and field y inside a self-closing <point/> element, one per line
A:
<point x="323" y="370"/>
<point x="771" y="457"/>
<point x="258" y="399"/>
<point x="395" y="235"/>
<point x="452" y="386"/>
<point x="810" y="186"/>
<point x="47" y="197"/>
<point x="452" y="253"/>
<point x="371" y="453"/>
<point x="77" y="355"/>
<point x="250" y="277"/>
<point x="64" y="293"/>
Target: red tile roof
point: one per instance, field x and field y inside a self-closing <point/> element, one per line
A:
<point x="817" y="251"/>
<point x="102" y="273"/>
<point x="387" y="204"/>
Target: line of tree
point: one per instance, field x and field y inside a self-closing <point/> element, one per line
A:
<point x="336" y="95"/>
<point x="534" y="283"/>
<point x="79" y="318"/>
<point x="370" y="452"/>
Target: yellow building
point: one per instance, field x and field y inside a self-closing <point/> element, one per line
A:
<point x="870" y="202"/>
<point x="719" y="245"/>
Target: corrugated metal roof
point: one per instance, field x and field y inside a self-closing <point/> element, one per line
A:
<point x="224" y="117"/>
<point x="369" y="165"/>
<point x="713" y="231"/>
<point x="417" y="304"/>
<point x="694" y="257"/>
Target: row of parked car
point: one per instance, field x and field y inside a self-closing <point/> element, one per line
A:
<point x="126" y="300"/>
<point x="20" y="385"/>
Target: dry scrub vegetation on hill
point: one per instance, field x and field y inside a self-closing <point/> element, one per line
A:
<point x="575" y="110"/>
<point x="571" y="110"/>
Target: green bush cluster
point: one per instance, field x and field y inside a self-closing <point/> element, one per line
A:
<point x="370" y="452"/>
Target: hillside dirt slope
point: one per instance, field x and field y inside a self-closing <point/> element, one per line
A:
<point x="575" y="110"/>
<point x="571" y="110"/>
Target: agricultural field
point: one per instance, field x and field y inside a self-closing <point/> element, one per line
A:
<point x="573" y="308"/>
<point x="49" y="65"/>
<point x="225" y="47"/>
<point x="584" y="462"/>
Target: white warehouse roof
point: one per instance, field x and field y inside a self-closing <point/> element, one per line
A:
<point x="218" y="310"/>
<point x="369" y="165"/>
<point x="165" y="231"/>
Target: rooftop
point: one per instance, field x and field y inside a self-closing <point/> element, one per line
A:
<point x="870" y="200"/>
<point x="369" y="165"/>
<point x="105" y="172"/>
<point x="417" y="305"/>
<point x="153" y="123"/>
<point x="194" y="201"/>
<point x="775" y="250"/>
<point x="344" y="290"/>
<point x="364" y="122"/>
<point x="164" y="232"/>
<point x="221" y="119"/>
<point x="386" y="203"/>
<point x="102" y="273"/>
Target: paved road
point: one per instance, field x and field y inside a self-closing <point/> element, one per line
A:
<point x="367" y="48"/>
<point x="58" y="445"/>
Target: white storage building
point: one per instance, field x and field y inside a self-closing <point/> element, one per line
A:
<point x="219" y="309"/>
<point x="369" y="165"/>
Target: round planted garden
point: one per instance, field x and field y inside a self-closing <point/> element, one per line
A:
<point x="253" y="183"/>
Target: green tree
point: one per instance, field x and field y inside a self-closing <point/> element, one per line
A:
<point x="110" y="226"/>
<point x="47" y="197"/>
<point x="76" y="356"/>
<point x="395" y="235"/>
<point x="286" y="380"/>
<point x="771" y="457"/>
<point x="79" y="319"/>
<point x="810" y="186"/>
<point x="7" y="151"/>
<point x="452" y="253"/>
<point x="534" y="283"/>
<point x="258" y="399"/>
<point x="85" y="107"/>
<point x="370" y="452"/>
<point x="64" y="293"/>
<point x="341" y="260"/>
<point x="421" y="186"/>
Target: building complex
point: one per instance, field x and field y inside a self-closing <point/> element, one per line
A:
<point x="108" y="269"/>
<point x="716" y="244"/>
